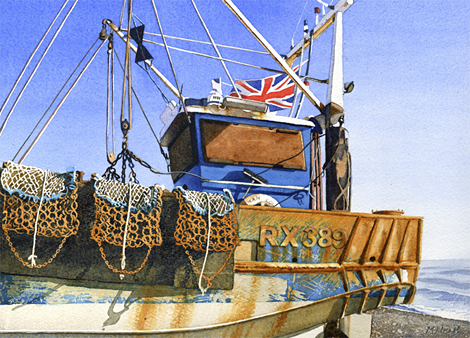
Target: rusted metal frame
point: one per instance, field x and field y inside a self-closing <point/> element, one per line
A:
<point x="278" y="267"/>
<point x="365" y="253"/>
<point x="362" y="276"/>
<point x="403" y="243"/>
<point x="346" y="295"/>
<point x="344" y="279"/>
<point x="382" y="296"/>
<point x="60" y="103"/>
<point x="286" y="67"/>
<point x="365" y="295"/>
<point x="165" y="81"/>
<point x="345" y="252"/>
<point x="381" y="275"/>
<point x="397" y="296"/>
<point x="387" y="243"/>
<point x="413" y="293"/>
<point x="399" y="274"/>
<point x="419" y="239"/>
<point x="345" y="306"/>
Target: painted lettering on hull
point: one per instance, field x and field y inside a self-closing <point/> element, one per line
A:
<point x="308" y="237"/>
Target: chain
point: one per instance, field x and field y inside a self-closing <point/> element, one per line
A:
<point x="211" y="278"/>
<point x="126" y="156"/>
<point x="71" y="198"/>
<point x="109" y="265"/>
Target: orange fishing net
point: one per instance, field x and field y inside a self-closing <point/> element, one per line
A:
<point x="115" y="224"/>
<point x="38" y="203"/>
<point x="192" y="227"/>
<point x="199" y="212"/>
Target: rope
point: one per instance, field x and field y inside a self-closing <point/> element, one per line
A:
<point x="300" y="18"/>
<point x="33" y="256"/>
<point x="208" y="43"/>
<point x="30" y="58"/>
<point x="162" y="151"/>
<point x="166" y="47"/>
<point x="122" y="13"/>
<point x="123" y="260"/>
<point x="203" y="290"/>
<point x="36" y="68"/>
<point x="215" y="48"/>
<point x="55" y="98"/>
<point x="60" y="104"/>
<point x="232" y="61"/>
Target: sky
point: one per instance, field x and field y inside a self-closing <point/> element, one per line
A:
<point x="407" y="118"/>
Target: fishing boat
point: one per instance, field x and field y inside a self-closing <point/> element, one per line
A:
<point x="257" y="239"/>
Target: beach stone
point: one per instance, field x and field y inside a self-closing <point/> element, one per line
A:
<point x="385" y="325"/>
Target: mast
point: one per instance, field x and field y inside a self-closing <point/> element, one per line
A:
<point x="338" y="171"/>
<point x="278" y="58"/>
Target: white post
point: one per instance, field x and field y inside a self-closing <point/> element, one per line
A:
<point x="335" y="86"/>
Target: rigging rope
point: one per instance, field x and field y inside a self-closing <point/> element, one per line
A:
<point x="31" y="57"/>
<point x="110" y="97"/>
<point x="232" y="61"/>
<point x="162" y="151"/>
<point x="166" y="47"/>
<point x="208" y="43"/>
<point x="37" y="66"/>
<point x="297" y="26"/>
<point x="60" y="103"/>
<point x="215" y="48"/>
<point x="55" y="98"/>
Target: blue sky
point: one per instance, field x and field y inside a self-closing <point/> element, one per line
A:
<point x="407" y="117"/>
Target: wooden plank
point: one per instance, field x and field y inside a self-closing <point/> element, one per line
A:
<point x="251" y="145"/>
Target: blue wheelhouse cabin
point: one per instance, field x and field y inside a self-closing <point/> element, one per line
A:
<point x="247" y="152"/>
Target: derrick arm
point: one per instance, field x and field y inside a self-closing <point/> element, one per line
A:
<point x="284" y="65"/>
<point x="315" y="33"/>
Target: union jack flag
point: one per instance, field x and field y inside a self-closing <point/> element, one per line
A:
<point x="277" y="90"/>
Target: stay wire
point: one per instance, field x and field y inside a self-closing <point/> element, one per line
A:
<point x="55" y="98"/>
<point x="145" y="115"/>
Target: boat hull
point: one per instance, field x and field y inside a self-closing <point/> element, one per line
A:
<point x="288" y="274"/>
<point x="258" y="306"/>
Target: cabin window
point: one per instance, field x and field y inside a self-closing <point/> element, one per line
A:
<point x="252" y="145"/>
<point x="181" y="153"/>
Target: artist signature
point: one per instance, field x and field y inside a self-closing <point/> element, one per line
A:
<point x="442" y="330"/>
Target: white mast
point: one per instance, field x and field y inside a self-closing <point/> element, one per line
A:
<point x="334" y="95"/>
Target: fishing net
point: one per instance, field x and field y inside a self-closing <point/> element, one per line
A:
<point x="206" y="222"/>
<point x="127" y="216"/>
<point x="192" y="224"/>
<point x="38" y="203"/>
